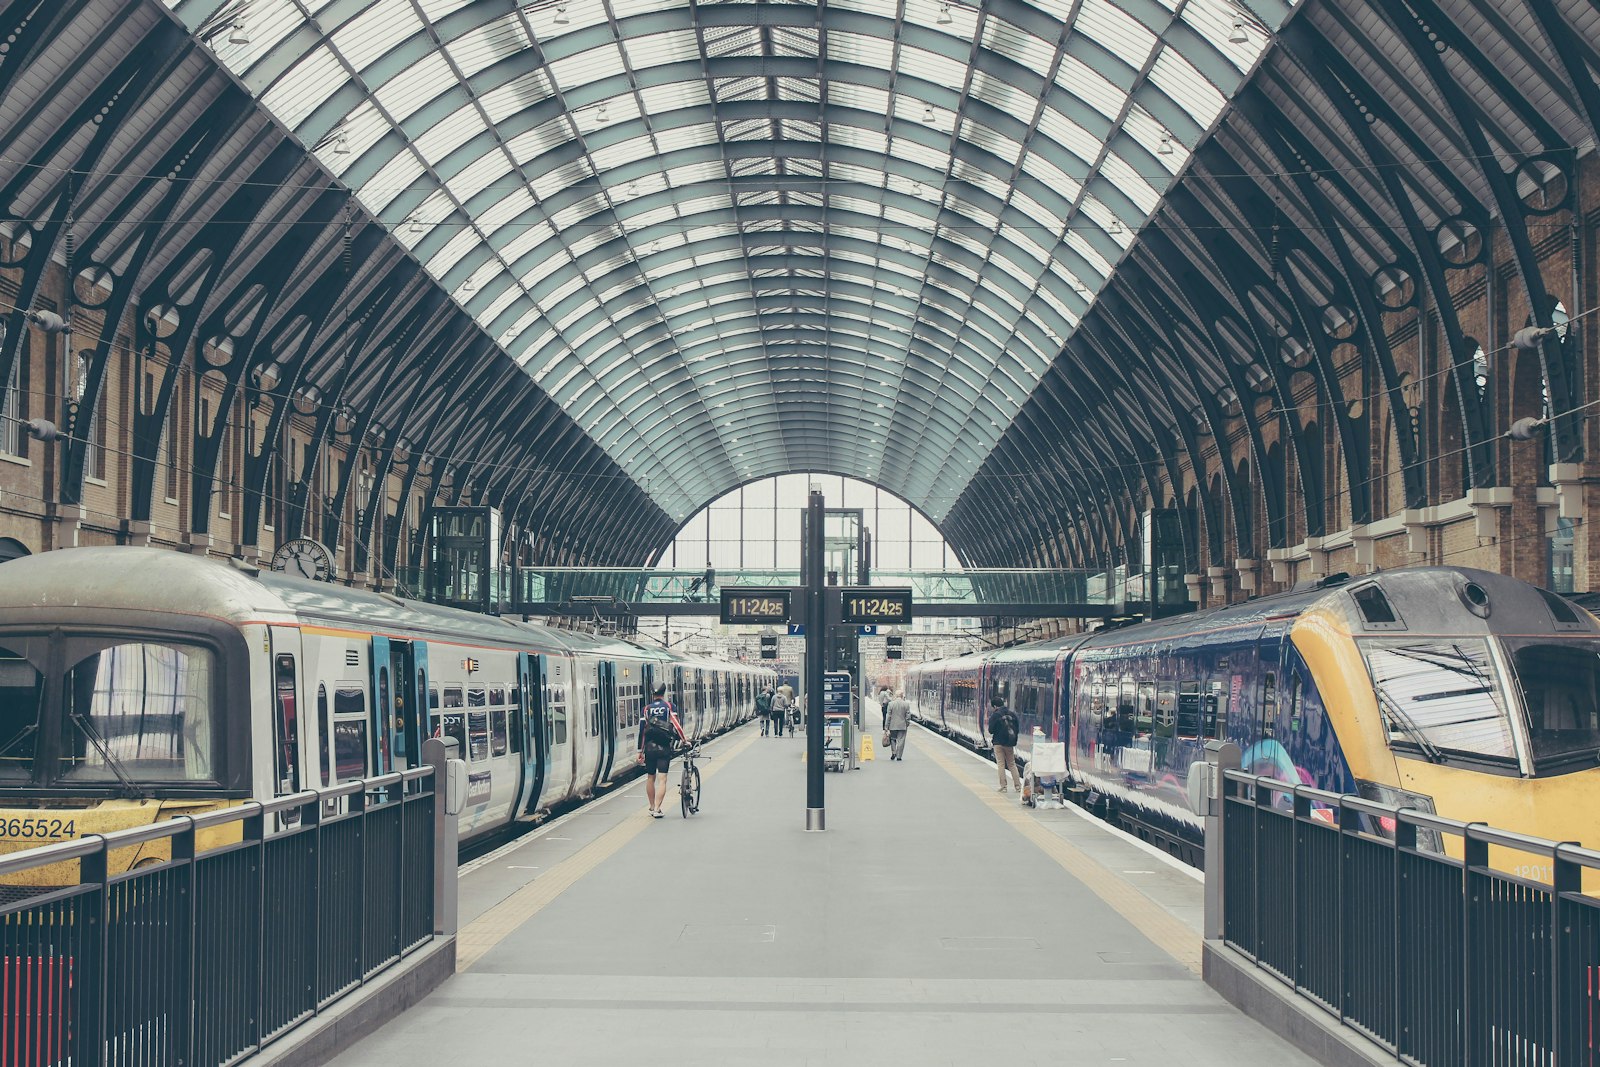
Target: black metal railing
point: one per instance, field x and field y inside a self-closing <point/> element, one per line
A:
<point x="204" y="957"/>
<point x="1408" y="928"/>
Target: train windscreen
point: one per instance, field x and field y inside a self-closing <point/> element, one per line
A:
<point x="1560" y="684"/>
<point x="21" y="692"/>
<point x="1441" y="696"/>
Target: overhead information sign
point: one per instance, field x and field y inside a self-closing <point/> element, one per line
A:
<point x="752" y="606"/>
<point x="869" y="605"/>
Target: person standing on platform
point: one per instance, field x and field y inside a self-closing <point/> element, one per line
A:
<point x="1003" y="736"/>
<point x="897" y="720"/>
<point x="764" y="709"/>
<point x="780" y="710"/>
<point x="883" y="705"/>
<point x="659" y="732"/>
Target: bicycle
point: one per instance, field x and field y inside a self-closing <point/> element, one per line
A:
<point x="689" y="783"/>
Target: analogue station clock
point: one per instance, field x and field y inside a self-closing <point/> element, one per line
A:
<point x="304" y="558"/>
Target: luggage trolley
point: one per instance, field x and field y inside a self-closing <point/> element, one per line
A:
<point x="1047" y="773"/>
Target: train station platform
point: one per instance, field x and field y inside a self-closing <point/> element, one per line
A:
<point x="935" y="922"/>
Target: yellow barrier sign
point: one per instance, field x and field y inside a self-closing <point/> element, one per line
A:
<point x="866" y="746"/>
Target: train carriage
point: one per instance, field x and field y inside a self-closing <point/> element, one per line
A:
<point x="138" y="684"/>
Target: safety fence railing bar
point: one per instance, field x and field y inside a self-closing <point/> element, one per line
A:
<point x="1423" y="933"/>
<point x="234" y="926"/>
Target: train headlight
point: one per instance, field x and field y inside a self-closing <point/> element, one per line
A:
<point x="1394" y="796"/>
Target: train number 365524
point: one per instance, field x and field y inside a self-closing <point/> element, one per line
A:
<point x="38" y="828"/>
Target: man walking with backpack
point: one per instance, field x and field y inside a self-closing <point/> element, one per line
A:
<point x="659" y="731"/>
<point x="764" y="709"/>
<point x="1003" y="736"/>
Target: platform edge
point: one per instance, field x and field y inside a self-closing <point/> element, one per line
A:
<point x="1277" y="1007"/>
<point x="364" y="1011"/>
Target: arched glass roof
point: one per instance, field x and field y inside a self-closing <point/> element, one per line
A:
<point x="739" y="239"/>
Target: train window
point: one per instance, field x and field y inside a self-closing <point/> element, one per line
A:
<point x="454" y="724"/>
<point x="1376" y="611"/>
<point x="1269" y="696"/>
<point x="497" y="698"/>
<point x="1144" y="716"/>
<point x="558" y="724"/>
<point x="1125" y="699"/>
<point x="1562" y="611"/>
<point x="499" y="733"/>
<point x="478" y="735"/>
<point x="1560" y="686"/>
<point x="140" y="710"/>
<point x="1166" y="708"/>
<point x="350" y="748"/>
<point x="477" y="698"/>
<point x="1440" y="695"/>
<point x="594" y="711"/>
<point x="433" y="698"/>
<point x="349" y="700"/>
<point x="1189" y="717"/>
<point x="1216" y="711"/>
<point x="324" y="732"/>
<point x="452" y="696"/>
<point x="288" y="733"/>
<point x="21" y="700"/>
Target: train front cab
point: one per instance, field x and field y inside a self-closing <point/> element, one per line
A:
<point x="1495" y="718"/>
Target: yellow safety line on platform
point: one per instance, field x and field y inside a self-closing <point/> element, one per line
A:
<point x="1155" y="922"/>
<point x="496" y="924"/>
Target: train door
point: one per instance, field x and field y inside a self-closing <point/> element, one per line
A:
<point x="531" y="726"/>
<point x="289" y="726"/>
<point x="1264" y="752"/>
<point x="408" y="709"/>
<point x="382" y="708"/>
<point x="606" y="759"/>
<point x="563" y="695"/>
<point x="675" y="690"/>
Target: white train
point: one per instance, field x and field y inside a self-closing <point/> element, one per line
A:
<point x="136" y="684"/>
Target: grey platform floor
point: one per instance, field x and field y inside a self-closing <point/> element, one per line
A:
<point x="933" y="923"/>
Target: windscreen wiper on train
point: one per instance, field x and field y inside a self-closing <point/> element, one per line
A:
<point x="112" y="762"/>
<point x="28" y="731"/>
<point x="1409" y="725"/>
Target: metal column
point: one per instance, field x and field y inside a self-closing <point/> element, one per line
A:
<point x="816" y="652"/>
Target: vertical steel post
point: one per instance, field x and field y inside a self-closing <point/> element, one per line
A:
<point x="1565" y="877"/>
<point x="436" y="754"/>
<point x="1474" y="854"/>
<point x="1221" y="757"/>
<point x="816" y="651"/>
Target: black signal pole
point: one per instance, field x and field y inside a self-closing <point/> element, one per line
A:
<point x="816" y="650"/>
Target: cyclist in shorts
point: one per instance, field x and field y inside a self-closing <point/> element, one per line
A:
<point x="659" y="731"/>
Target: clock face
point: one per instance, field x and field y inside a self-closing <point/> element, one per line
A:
<point x="304" y="558"/>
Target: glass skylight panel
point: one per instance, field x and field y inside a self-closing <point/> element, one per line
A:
<point x="1018" y="44"/>
<point x="518" y="245"/>
<point x="588" y="67"/>
<point x="550" y="182"/>
<point x="1080" y="244"/>
<point x="875" y="102"/>
<point x="1144" y="129"/>
<point x="305" y="86"/>
<point x="434" y="10"/>
<point x="1120" y="33"/>
<point x="1120" y="173"/>
<point x="451" y="133"/>
<point x="662" y="99"/>
<point x="375" y="31"/>
<point x="362" y="129"/>
<point x="1214" y="20"/>
<point x="483" y="46"/>
<point x="653" y="50"/>
<point x="516" y="202"/>
<point x="1087" y="84"/>
<point x="1069" y="135"/>
<point x="869" y="51"/>
<point x="1188" y="88"/>
<point x="941" y="70"/>
<point x="452" y="252"/>
<point x="503" y="101"/>
<point x="394" y="178"/>
<point x="500" y="304"/>
<point x="680" y="137"/>
<point x="411" y="88"/>
<point x="1004" y="148"/>
<point x="480" y="174"/>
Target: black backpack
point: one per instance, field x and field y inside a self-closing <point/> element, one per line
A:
<point x="764" y="704"/>
<point x="1003" y="727"/>
<point x="658" y="728"/>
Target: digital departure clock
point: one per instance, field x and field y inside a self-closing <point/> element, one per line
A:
<point x="871" y="606"/>
<point x="754" y="606"/>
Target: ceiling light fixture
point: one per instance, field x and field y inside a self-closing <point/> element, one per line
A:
<point x="469" y="286"/>
<point x="1165" y="147"/>
<point x="1238" y="35"/>
<point x="928" y="116"/>
<point x="945" y="18"/>
<point x="1116" y="227"/>
<point x="414" y="225"/>
<point x="341" y="144"/>
<point x="633" y="188"/>
<point x="561" y="15"/>
<point x="600" y="114"/>
<point x="237" y="34"/>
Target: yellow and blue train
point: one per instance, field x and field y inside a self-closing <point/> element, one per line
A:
<point x="1470" y="694"/>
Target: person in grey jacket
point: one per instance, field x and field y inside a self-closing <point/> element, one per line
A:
<point x="897" y="720"/>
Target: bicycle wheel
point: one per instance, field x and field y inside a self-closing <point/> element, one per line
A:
<point x="684" y="800"/>
<point x="694" y="789"/>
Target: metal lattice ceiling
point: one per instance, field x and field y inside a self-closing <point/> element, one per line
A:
<point x="737" y="239"/>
